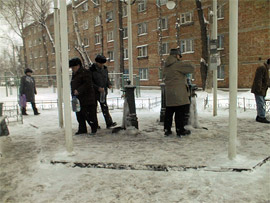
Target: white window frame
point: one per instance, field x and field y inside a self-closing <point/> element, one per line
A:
<point x="163" y="24"/>
<point x="30" y="43"/>
<point x="111" y="55"/>
<point x="109" y="16"/>
<point x="142" y="28"/>
<point x="125" y="33"/>
<point x="85" y="6"/>
<point x="162" y="2"/>
<point x="86" y="42"/>
<point x="142" y="51"/>
<point x="124" y="11"/>
<point x="220" y="42"/>
<point x="96" y="3"/>
<point x="97" y="38"/>
<point x="97" y="20"/>
<point x="166" y="48"/>
<point x="85" y="25"/>
<point x="184" y="16"/>
<point x="110" y="36"/>
<point x="220" y="12"/>
<point x="142" y="6"/>
<point x="221" y="72"/>
<point x="144" y="73"/>
<point x="187" y="46"/>
<point x="125" y="54"/>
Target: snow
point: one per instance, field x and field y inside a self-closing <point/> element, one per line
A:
<point x="123" y="167"/>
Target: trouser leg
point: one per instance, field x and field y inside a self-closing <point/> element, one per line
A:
<point x="34" y="108"/>
<point x="81" y="120"/>
<point x="106" y="113"/>
<point x="168" y="118"/>
<point x="91" y="117"/>
<point x="260" y="102"/>
<point x="24" y="111"/>
<point x="180" y="113"/>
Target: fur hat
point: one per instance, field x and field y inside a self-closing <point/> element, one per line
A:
<point x="74" y="62"/>
<point x="175" y="52"/>
<point x="28" y="70"/>
<point x="268" y="61"/>
<point x="100" y="59"/>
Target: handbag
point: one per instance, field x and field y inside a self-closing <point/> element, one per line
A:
<point x="22" y="102"/>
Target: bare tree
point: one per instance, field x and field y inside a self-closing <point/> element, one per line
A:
<point x="204" y="58"/>
<point x="40" y="9"/>
<point x="80" y="48"/>
<point x="15" y="14"/>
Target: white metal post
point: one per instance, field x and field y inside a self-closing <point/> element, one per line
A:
<point x="130" y="54"/>
<point x="65" y="69"/>
<point x="233" y="75"/>
<point x="214" y="36"/>
<point x="57" y="64"/>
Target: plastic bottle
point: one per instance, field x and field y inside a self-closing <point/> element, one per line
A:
<point x="102" y="97"/>
<point x="76" y="107"/>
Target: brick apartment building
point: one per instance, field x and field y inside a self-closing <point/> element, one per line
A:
<point x="254" y="37"/>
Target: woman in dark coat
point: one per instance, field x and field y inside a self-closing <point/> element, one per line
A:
<point x="82" y="88"/>
<point x="28" y="88"/>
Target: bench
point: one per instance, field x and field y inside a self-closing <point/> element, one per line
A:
<point x="3" y="126"/>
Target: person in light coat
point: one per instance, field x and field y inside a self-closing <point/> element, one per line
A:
<point x="176" y="92"/>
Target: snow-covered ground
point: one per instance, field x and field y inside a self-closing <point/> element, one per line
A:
<point x="135" y="165"/>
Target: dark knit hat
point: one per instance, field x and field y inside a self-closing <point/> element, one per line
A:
<point x="74" y="62"/>
<point x="28" y="70"/>
<point x="175" y="52"/>
<point x="100" y="59"/>
<point x="268" y="61"/>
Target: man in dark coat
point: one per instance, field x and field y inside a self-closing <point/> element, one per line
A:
<point x="101" y="84"/>
<point x="176" y="92"/>
<point x="28" y="88"/>
<point x="259" y="88"/>
<point x="82" y="88"/>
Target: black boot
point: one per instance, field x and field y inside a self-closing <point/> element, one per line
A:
<point x="36" y="111"/>
<point x="24" y="111"/>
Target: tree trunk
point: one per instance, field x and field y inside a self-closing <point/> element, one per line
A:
<point x="204" y="60"/>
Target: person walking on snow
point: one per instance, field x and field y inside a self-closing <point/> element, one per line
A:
<point x="101" y="84"/>
<point x="176" y="92"/>
<point x="28" y="88"/>
<point x="82" y="87"/>
<point x="259" y="88"/>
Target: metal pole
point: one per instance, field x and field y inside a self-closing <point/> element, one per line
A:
<point x="214" y="36"/>
<point x="65" y="69"/>
<point x="130" y="54"/>
<point x="233" y="75"/>
<point x="57" y="64"/>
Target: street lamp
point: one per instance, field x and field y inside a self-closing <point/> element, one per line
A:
<point x="170" y="5"/>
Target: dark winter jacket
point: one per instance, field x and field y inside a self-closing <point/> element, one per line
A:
<point x="176" y="87"/>
<point x="261" y="81"/>
<point x="100" y="78"/>
<point x="28" y="87"/>
<point x="82" y="82"/>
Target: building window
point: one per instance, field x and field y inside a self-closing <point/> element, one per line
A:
<point x="220" y="41"/>
<point x="110" y="36"/>
<point x="109" y="16"/>
<point x="187" y="46"/>
<point x="40" y="53"/>
<point x="220" y="72"/>
<point x="97" y="38"/>
<point x="163" y="24"/>
<point x="41" y="66"/>
<point x="161" y="2"/>
<point x="220" y="12"/>
<point x="164" y="48"/>
<point x="36" y="54"/>
<point x="141" y="5"/>
<point x="143" y="73"/>
<point x="111" y="55"/>
<point x="30" y="43"/>
<point x="142" y="28"/>
<point x="85" y="7"/>
<point x="86" y="42"/>
<point x="125" y="54"/>
<point x="85" y="25"/>
<point x="31" y="56"/>
<point x="124" y="11"/>
<point x="108" y="0"/>
<point x="97" y="20"/>
<point x="186" y="18"/>
<point x="142" y="51"/>
<point x="125" y="33"/>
